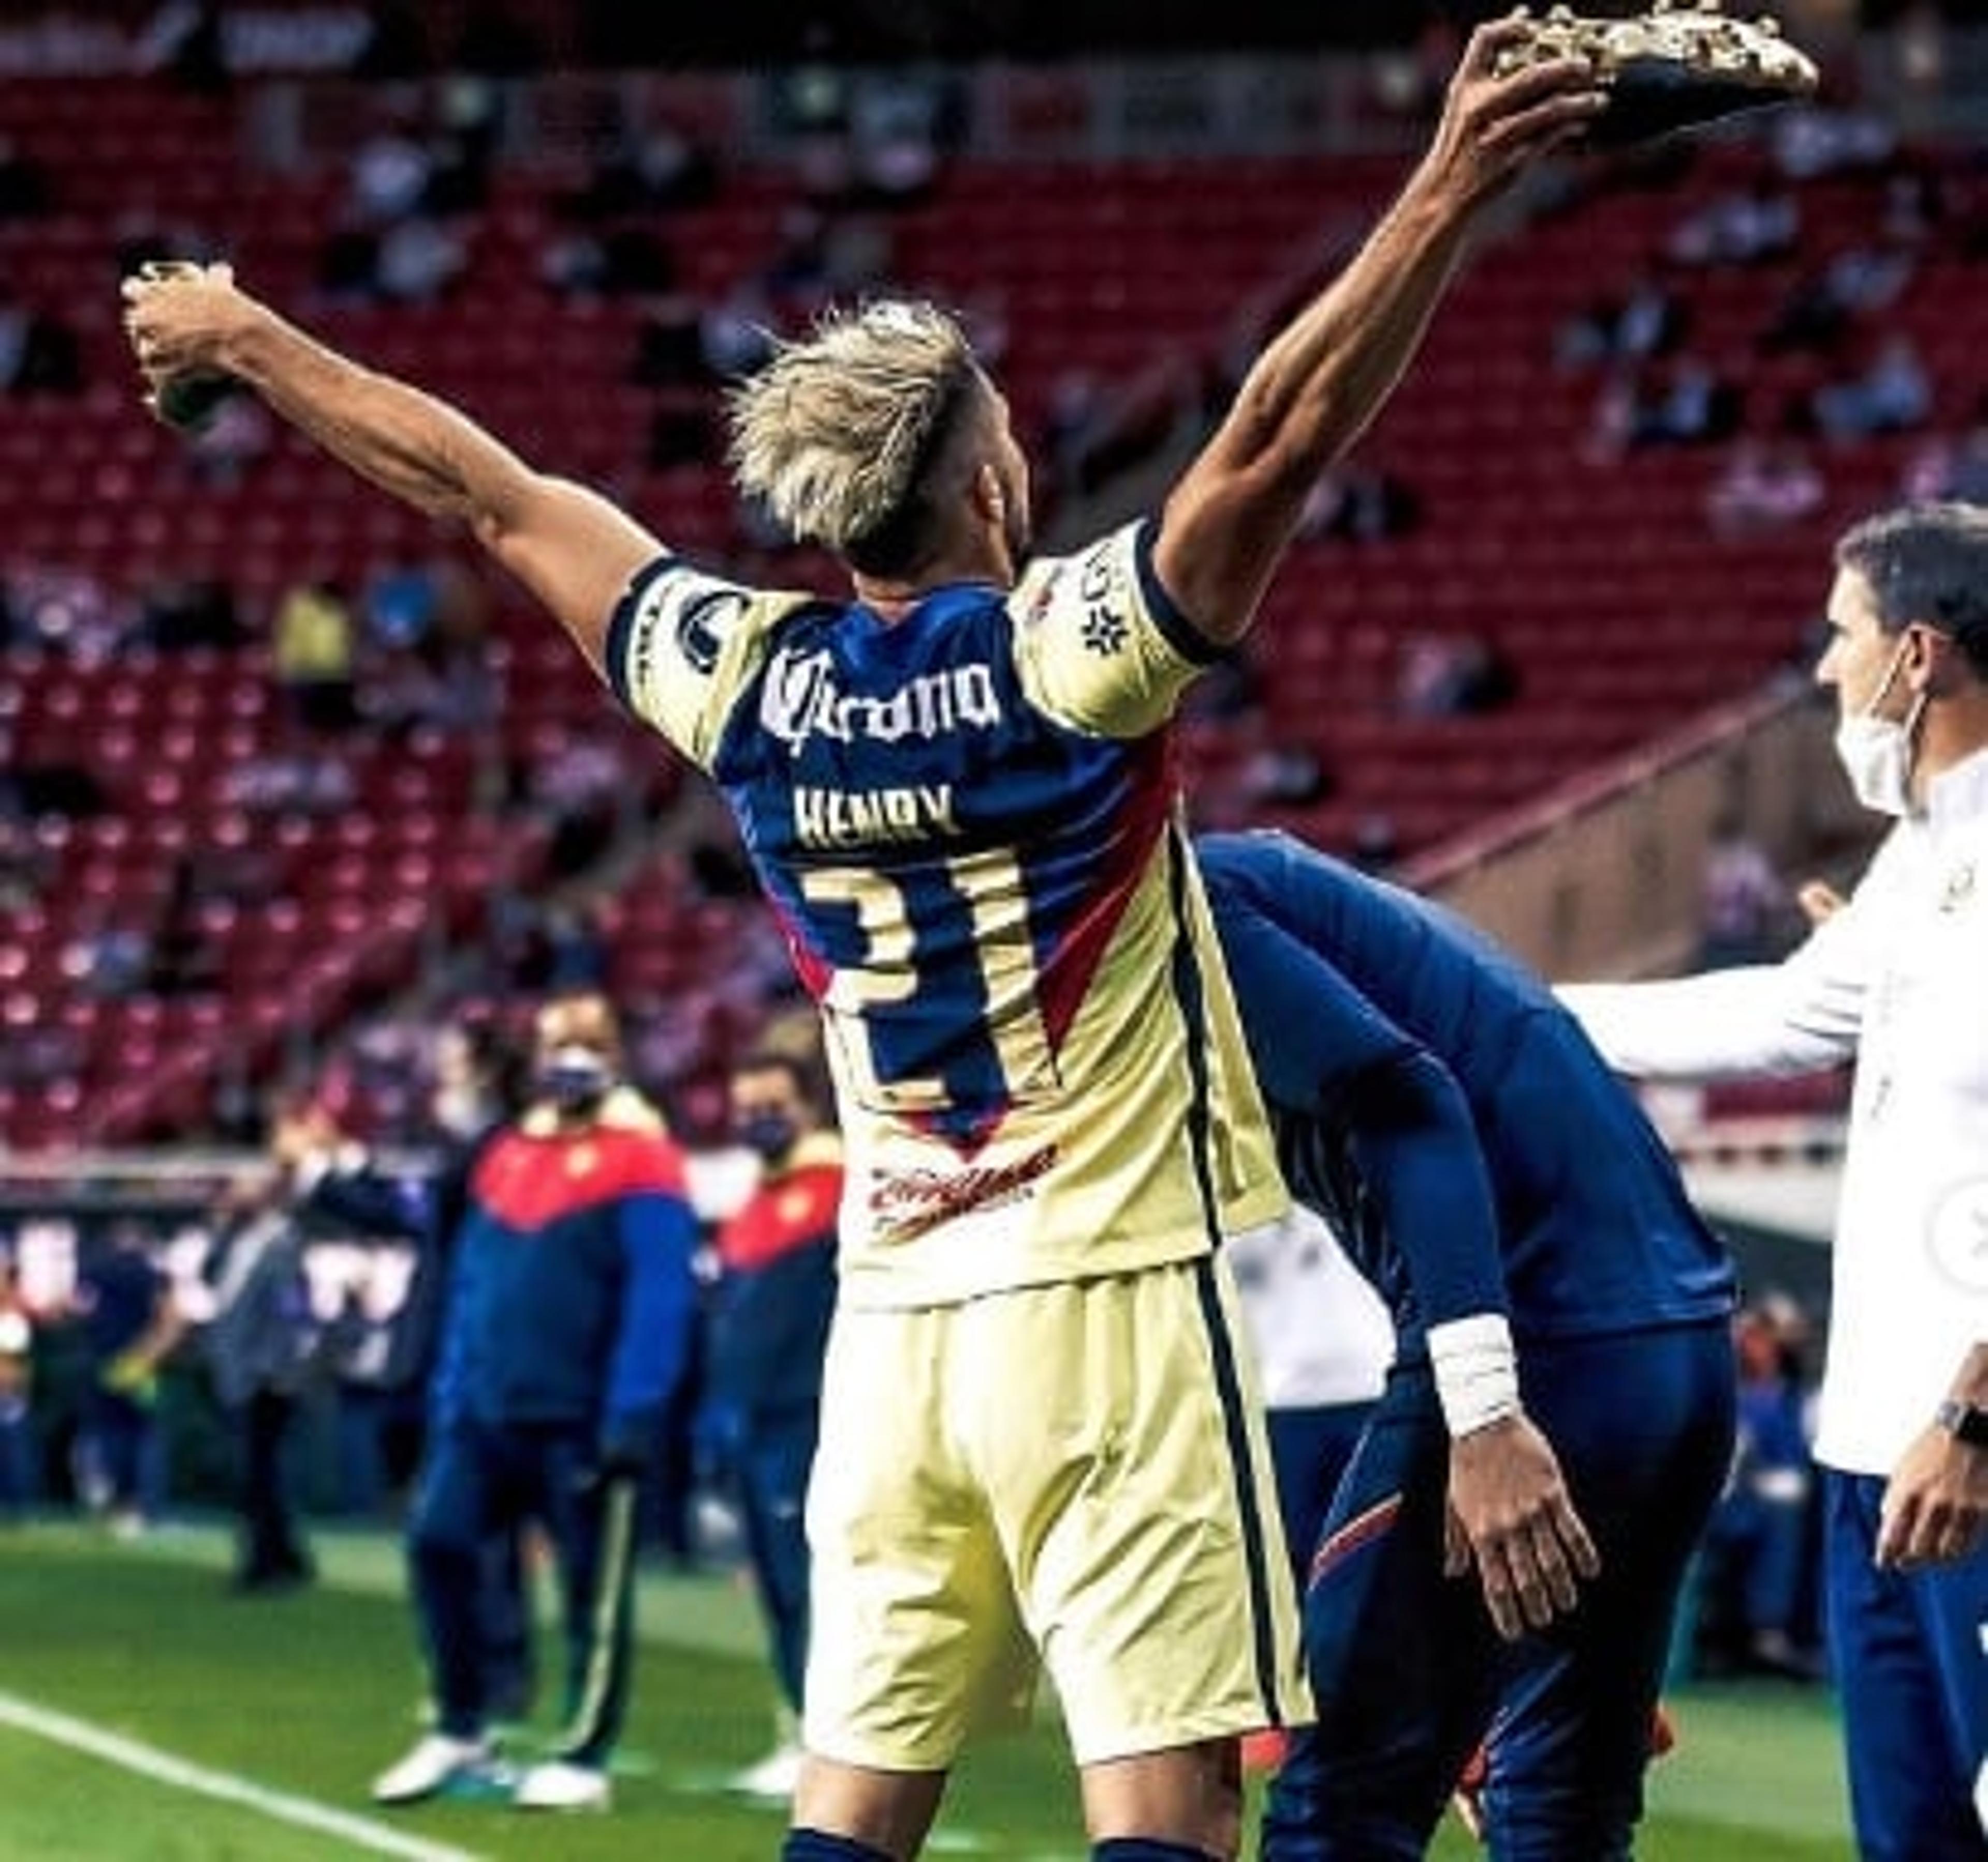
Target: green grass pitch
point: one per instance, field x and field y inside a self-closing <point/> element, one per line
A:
<point x="147" y="1716"/>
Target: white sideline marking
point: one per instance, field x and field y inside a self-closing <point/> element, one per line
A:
<point x="149" y="1762"/>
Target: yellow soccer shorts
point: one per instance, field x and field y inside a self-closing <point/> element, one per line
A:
<point x="1072" y="1476"/>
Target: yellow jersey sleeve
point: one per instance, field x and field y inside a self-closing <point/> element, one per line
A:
<point x="684" y="645"/>
<point x="1099" y="644"/>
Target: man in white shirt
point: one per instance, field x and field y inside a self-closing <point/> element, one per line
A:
<point x="1898" y="980"/>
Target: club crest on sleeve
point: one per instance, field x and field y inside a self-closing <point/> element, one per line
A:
<point x="703" y="625"/>
<point x="1104" y="632"/>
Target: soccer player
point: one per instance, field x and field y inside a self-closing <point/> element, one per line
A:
<point x="571" y="1302"/>
<point x="1893" y="978"/>
<point x="956" y="788"/>
<point x="1559" y="1414"/>
<point x="769" y="1321"/>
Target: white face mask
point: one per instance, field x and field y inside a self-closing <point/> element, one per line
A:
<point x="1876" y="752"/>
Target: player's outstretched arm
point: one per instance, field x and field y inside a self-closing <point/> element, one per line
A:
<point x="1309" y="395"/>
<point x="572" y="549"/>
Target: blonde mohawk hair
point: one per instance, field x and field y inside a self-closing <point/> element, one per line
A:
<point x="832" y="433"/>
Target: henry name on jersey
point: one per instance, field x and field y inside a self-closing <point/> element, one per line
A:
<point x="801" y="700"/>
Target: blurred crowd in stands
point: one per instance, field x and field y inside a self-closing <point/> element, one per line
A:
<point x="410" y="646"/>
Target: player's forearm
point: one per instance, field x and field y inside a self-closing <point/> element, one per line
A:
<point x="411" y="445"/>
<point x="1726" y="1024"/>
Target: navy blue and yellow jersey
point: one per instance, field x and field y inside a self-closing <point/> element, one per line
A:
<point x="966" y="819"/>
<point x="1358" y="997"/>
<point x="571" y="1297"/>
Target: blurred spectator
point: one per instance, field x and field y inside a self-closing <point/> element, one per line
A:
<point x="770" y="1308"/>
<point x="106" y="957"/>
<point x="582" y="785"/>
<point x="183" y="40"/>
<point x="1764" y="485"/>
<point x="628" y="260"/>
<point x="463" y="146"/>
<point x="181" y="612"/>
<point x="416" y="259"/>
<point x="69" y="790"/>
<point x="389" y="175"/>
<point x="20" y="1451"/>
<point x="400" y="601"/>
<point x="1948" y="468"/>
<point x="1452" y="675"/>
<point x="290" y="783"/>
<point x="570" y="1315"/>
<point x="1376" y="845"/>
<point x="1227" y="692"/>
<point x="25" y="863"/>
<point x="259" y="1340"/>
<point x="1358" y="504"/>
<point x="734" y="331"/>
<point x="1278" y="771"/>
<point x="669" y="343"/>
<point x="1822" y="307"/>
<point x="822" y="253"/>
<point x="24" y="191"/>
<point x="39" y="353"/>
<point x="144" y="233"/>
<point x="443" y="679"/>
<point x="1743" y="902"/>
<point x="682" y="432"/>
<point x="575" y="950"/>
<point x="895" y="129"/>
<point x="1919" y="50"/>
<point x="1692" y="406"/>
<point x="1814" y="139"/>
<point x="1747" y="227"/>
<point x="59" y="609"/>
<point x="130" y="1323"/>
<point x="184" y="959"/>
<point x="1098" y="430"/>
<point x="1892" y="395"/>
<point x="313" y="655"/>
<point x="220" y="449"/>
<point x="1649" y="320"/>
<point x="397" y="43"/>
<point x="1762" y="1543"/>
<point x="652" y="164"/>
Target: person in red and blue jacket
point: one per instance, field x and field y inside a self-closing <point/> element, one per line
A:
<point x="568" y="1326"/>
<point x="770" y="1312"/>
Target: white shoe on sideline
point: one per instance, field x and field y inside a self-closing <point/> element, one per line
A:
<point x="557" y="1784"/>
<point x="773" y="1778"/>
<point x="437" y="1760"/>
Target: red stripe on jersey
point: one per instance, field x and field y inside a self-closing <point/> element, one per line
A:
<point x="1362" y="1529"/>
<point x="790" y="1212"/>
<point x="815" y="971"/>
<point x="1067" y="977"/>
<point x="528" y="1182"/>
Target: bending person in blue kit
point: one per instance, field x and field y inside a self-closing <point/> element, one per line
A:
<point x="1560" y="1413"/>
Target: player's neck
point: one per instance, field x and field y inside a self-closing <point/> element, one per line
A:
<point x="890" y="598"/>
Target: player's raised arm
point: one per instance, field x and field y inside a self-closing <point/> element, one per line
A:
<point x="1308" y="396"/>
<point x="573" y="550"/>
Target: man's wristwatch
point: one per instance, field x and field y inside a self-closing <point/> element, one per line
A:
<point x="1964" y="1421"/>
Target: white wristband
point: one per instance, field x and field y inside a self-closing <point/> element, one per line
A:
<point x="1476" y="1372"/>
